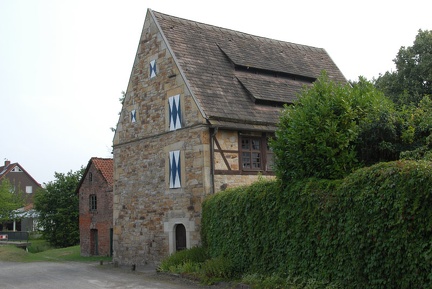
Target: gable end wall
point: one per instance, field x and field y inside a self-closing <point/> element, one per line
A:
<point x="146" y="210"/>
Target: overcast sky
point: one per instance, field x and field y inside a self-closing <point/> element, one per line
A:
<point x="64" y="63"/>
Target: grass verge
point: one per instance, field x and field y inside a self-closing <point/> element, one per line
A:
<point x="13" y="254"/>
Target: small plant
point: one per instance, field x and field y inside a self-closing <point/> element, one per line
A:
<point x="219" y="267"/>
<point x="193" y="255"/>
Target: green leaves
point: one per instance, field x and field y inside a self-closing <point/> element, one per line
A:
<point x="10" y="200"/>
<point x="57" y="205"/>
<point x="332" y="130"/>
<point x="372" y="229"/>
<point x="412" y="79"/>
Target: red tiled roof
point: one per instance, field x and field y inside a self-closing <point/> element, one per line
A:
<point x="106" y="167"/>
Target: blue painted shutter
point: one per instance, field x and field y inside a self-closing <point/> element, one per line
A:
<point x="152" y="68"/>
<point x="133" y="115"/>
<point x="174" y="170"/>
<point x="174" y="112"/>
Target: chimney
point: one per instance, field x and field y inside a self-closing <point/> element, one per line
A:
<point x="7" y="163"/>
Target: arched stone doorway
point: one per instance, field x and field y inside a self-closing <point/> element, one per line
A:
<point x="180" y="237"/>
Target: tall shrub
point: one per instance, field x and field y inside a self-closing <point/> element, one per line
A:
<point x="373" y="229"/>
<point x="330" y="131"/>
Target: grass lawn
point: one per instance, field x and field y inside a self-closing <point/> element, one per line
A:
<point x="13" y="254"/>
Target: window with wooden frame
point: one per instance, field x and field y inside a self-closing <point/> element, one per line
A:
<point x="255" y="153"/>
<point x="93" y="203"/>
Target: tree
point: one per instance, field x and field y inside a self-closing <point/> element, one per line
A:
<point x="10" y="200"/>
<point x="333" y="129"/>
<point x="417" y="130"/>
<point x="412" y="79"/>
<point x="58" y="209"/>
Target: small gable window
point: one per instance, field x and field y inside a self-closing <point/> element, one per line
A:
<point x="92" y="202"/>
<point x="174" y="112"/>
<point x="133" y="115"/>
<point x="174" y="170"/>
<point x="90" y="177"/>
<point x="152" y="68"/>
<point x="16" y="170"/>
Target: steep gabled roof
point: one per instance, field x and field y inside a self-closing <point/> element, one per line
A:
<point x="240" y="79"/>
<point x="106" y="168"/>
<point x="8" y="167"/>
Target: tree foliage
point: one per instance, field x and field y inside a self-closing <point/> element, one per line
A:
<point x="333" y="129"/>
<point x="417" y="130"/>
<point x="10" y="200"/>
<point x="412" y="79"/>
<point x="58" y="207"/>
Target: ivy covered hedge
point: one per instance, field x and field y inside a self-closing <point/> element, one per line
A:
<point x="372" y="229"/>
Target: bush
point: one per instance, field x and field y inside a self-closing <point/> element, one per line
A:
<point x="372" y="229"/>
<point x="193" y="255"/>
<point x="332" y="130"/>
<point x="219" y="267"/>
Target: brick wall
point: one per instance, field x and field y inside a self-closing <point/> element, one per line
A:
<point x="99" y="219"/>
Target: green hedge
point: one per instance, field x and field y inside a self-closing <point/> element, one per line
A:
<point x="372" y="229"/>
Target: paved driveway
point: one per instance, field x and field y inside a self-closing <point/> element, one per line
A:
<point x="68" y="275"/>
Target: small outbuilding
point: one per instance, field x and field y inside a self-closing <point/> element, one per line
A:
<point x="95" y="192"/>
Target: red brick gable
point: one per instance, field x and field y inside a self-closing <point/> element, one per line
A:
<point x="106" y="167"/>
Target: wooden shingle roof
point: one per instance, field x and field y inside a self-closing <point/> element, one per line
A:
<point x="238" y="79"/>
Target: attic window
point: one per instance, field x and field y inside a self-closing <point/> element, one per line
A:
<point x="152" y="68"/>
<point x="174" y="112"/>
<point x="16" y="170"/>
<point x="133" y="115"/>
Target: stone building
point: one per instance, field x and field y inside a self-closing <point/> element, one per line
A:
<point x="95" y="192"/>
<point x="200" y="105"/>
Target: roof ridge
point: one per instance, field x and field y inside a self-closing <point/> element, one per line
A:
<point x="237" y="33"/>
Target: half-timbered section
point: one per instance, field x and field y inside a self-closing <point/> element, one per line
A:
<point x="201" y="104"/>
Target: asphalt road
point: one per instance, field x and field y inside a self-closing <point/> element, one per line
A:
<point x="68" y="275"/>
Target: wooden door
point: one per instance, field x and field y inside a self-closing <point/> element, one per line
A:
<point x="180" y="233"/>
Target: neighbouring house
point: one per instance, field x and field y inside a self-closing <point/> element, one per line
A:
<point x="200" y="106"/>
<point x="21" y="181"/>
<point x="95" y="192"/>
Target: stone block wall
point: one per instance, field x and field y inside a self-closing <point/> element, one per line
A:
<point x="147" y="212"/>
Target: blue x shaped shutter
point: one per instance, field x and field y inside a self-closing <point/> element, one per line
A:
<point x="174" y="170"/>
<point x="174" y="112"/>
<point x="133" y="115"/>
<point x="152" y="68"/>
